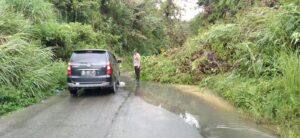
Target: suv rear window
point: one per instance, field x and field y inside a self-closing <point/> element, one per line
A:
<point x="89" y="56"/>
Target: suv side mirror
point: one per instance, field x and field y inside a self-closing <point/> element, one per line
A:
<point x="119" y="61"/>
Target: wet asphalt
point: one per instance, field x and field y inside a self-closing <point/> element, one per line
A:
<point x="95" y="114"/>
<point x="144" y="110"/>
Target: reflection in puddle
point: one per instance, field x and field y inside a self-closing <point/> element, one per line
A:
<point x="190" y="119"/>
<point x="242" y="128"/>
<point x="210" y="120"/>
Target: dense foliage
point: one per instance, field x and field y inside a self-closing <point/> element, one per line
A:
<point x="245" y="50"/>
<point x="124" y="25"/>
<point x="38" y="36"/>
<point x="27" y="70"/>
<point x="251" y="59"/>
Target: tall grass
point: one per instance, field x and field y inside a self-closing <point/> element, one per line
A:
<point x="25" y="66"/>
<point x="266" y="84"/>
<point x="36" y="10"/>
<point x="12" y="23"/>
<point x="275" y="100"/>
<point x="28" y="72"/>
<point x="289" y="63"/>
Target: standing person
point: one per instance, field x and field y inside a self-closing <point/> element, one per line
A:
<point x="137" y="64"/>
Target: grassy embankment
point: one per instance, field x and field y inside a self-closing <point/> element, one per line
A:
<point x="34" y="45"/>
<point x="252" y="60"/>
<point x="28" y="72"/>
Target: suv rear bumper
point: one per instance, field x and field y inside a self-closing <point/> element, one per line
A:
<point x="82" y="85"/>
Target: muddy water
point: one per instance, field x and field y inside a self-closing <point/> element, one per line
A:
<point x="211" y="121"/>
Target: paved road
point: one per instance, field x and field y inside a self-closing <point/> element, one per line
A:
<point x="122" y="115"/>
<point x="171" y="114"/>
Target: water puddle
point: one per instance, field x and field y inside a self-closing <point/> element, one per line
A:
<point x="211" y="121"/>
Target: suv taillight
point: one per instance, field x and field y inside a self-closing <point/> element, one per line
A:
<point x="108" y="68"/>
<point x="69" y="69"/>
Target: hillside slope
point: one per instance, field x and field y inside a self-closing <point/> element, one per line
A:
<point x="251" y="59"/>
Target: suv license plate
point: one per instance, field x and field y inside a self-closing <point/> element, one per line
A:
<point x="88" y="73"/>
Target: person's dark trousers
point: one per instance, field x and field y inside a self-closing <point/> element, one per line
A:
<point x="137" y="72"/>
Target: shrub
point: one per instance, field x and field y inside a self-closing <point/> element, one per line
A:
<point x="9" y="98"/>
<point x="64" y="38"/>
<point x="12" y="23"/>
<point x="27" y="72"/>
<point x="19" y="57"/>
<point x="59" y="75"/>
<point x="35" y="10"/>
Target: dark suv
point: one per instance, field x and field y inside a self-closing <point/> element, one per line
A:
<point x="93" y="69"/>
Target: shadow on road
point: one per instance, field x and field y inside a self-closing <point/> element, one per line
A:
<point x="94" y="93"/>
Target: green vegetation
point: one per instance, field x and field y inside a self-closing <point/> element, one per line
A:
<point x="27" y="71"/>
<point x="250" y="57"/>
<point x="38" y="36"/>
<point x="247" y="51"/>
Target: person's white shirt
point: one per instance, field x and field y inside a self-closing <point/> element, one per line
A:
<point x="136" y="60"/>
